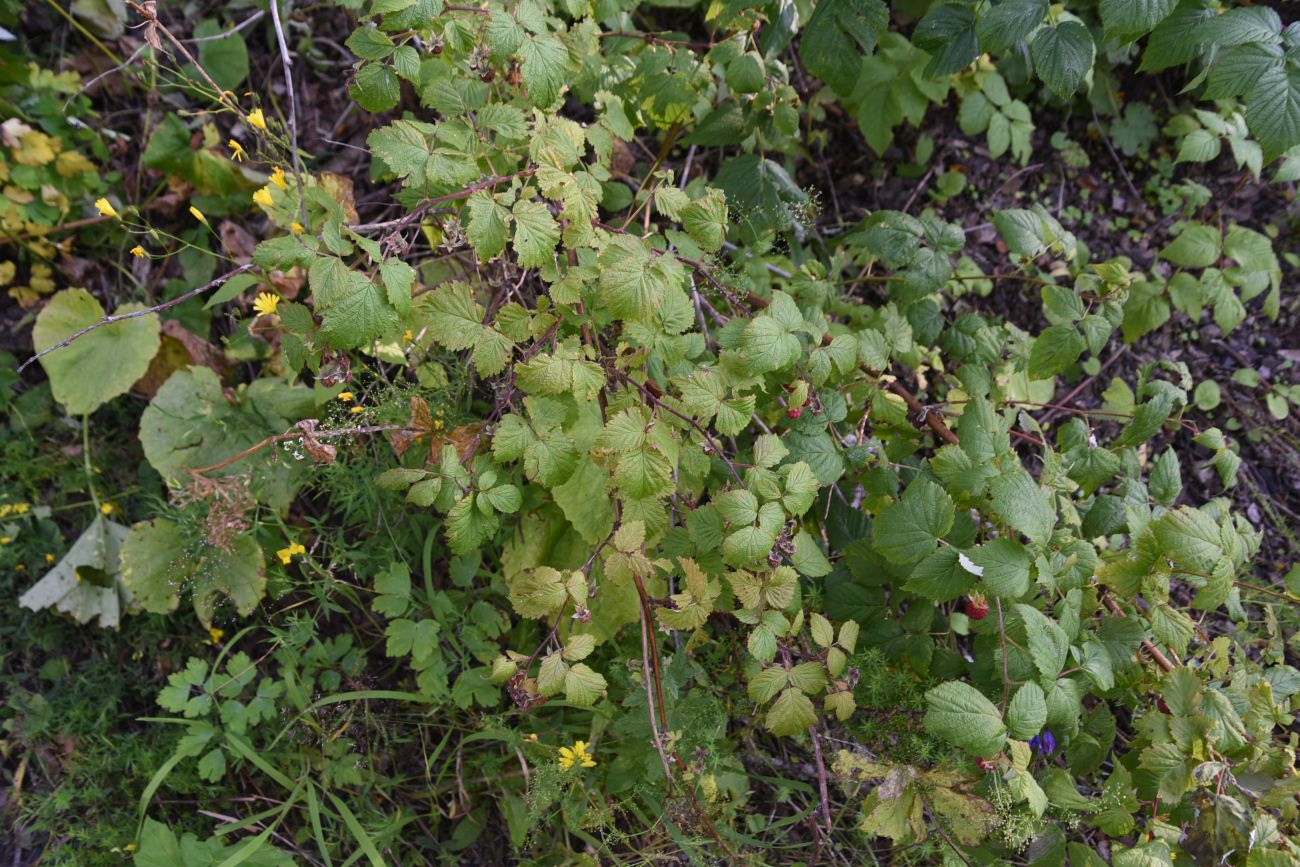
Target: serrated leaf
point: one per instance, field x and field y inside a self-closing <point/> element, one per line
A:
<point x="909" y="529"/>
<point x="791" y="714"/>
<point x="1062" y="56"/>
<point x="1027" y="712"/>
<point x="961" y="715"/>
<point x="837" y="36"/>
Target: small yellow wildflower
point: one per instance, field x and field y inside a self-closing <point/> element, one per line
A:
<point x="237" y="152"/>
<point x="346" y="396"/>
<point x="198" y="215"/>
<point x="357" y="409"/>
<point x="263" y="197"/>
<point x="578" y="755"/>
<point x="5" y="540"/>
<point x="21" y="508"/>
<point x="257" y="119"/>
<point x="49" y="558"/>
<point x="265" y="303"/>
<point x="286" y="554"/>
<point x="21" y="567"/>
<point x="277" y="178"/>
<point x="105" y="207"/>
<point x="532" y="736"/>
<point x="215" y="635"/>
<point x="106" y="508"/>
<point x="138" y="252"/>
<point x="296" y="227"/>
<point x="437" y="424"/>
<point x="408" y="335"/>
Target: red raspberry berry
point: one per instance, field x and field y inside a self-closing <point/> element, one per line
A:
<point x="987" y="765"/>
<point x="977" y="607"/>
<point x="794" y="411"/>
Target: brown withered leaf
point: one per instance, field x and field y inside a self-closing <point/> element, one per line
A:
<point x="236" y="241"/>
<point x="321" y="453"/>
<point x="339" y="188"/>
<point x="465" y="438"/>
<point x="419" y="425"/>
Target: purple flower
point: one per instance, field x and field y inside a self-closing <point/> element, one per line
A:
<point x="1043" y="744"/>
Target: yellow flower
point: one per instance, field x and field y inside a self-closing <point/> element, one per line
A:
<point x="256" y="119"/>
<point x="265" y="303"/>
<point x="49" y="558"/>
<point x="277" y="178"/>
<point x="21" y="508"/>
<point x="215" y="634"/>
<point x="198" y="215"/>
<point x="105" y="207"/>
<point x="286" y="554"/>
<point x="532" y="736"/>
<point x="408" y="336"/>
<point x="106" y="508"/>
<point x="263" y="197"/>
<point x="138" y="252"/>
<point x="21" y="567"/>
<point x="346" y="396"/>
<point x="296" y="227"/>
<point x="5" y="540"/>
<point x="437" y="424"/>
<point x="357" y="409"/>
<point x="237" y="152"/>
<point x="578" y="755"/>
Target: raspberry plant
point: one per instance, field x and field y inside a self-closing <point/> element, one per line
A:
<point x="664" y="420"/>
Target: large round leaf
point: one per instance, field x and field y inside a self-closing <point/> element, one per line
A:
<point x="99" y="365"/>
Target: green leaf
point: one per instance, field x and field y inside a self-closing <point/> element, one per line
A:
<point x="791" y="714"/>
<point x="456" y="320"/>
<point x="961" y="715"/>
<point x="910" y="528"/>
<point x="948" y="32"/>
<point x="1273" y="111"/>
<point x="1006" y="567"/>
<point x="940" y="577"/>
<point x="1173" y="42"/>
<point x="544" y="63"/>
<point x="155" y="563"/>
<point x="487" y="224"/>
<point x="370" y="43"/>
<point x="1048" y="643"/>
<point x="375" y="87"/>
<point x="1027" y="712"/>
<point x="583" y="686"/>
<point x="238" y="573"/>
<point x="1126" y="20"/>
<point x="705" y="220"/>
<point x="225" y="59"/>
<point x="766" y="684"/>
<point x="1055" y="350"/>
<point x="838" y="35"/>
<point x="536" y="234"/>
<point x="1197" y="246"/>
<point x="1063" y="56"/>
<point x="631" y="287"/>
<point x="102" y="363"/>
<point x="1025" y="505"/>
<point x="1000" y="27"/>
<point x="358" y="317"/>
